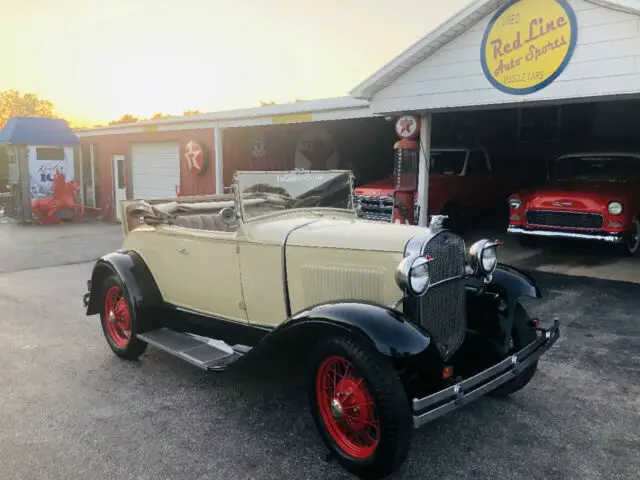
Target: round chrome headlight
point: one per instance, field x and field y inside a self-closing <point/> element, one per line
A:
<point x="615" y="208"/>
<point x="412" y="275"/>
<point x="489" y="259"/>
<point x="483" y="256"/>
<point x="514" y="203"/>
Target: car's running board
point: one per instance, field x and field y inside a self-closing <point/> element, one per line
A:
<point x="198" y="351"/>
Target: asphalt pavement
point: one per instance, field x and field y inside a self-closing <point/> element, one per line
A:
<point x="70" y="409"/>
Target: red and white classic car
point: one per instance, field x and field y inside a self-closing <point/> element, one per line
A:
<point x="592" y="196"/>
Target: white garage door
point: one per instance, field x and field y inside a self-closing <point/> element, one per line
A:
<point x="155" y="169"/>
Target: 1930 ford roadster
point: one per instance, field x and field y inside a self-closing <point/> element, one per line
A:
<point x="400" y="324"/>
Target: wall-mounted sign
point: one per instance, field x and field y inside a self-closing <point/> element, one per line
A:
<point x="292" y="118"/>
<point x="196" y="158"/>
<point x="44" y="163"/>
<point x="527" y="44"/>
<point x="258" y="148"/>
<point x="407" y="126"/>
<point x="317" y="150"/>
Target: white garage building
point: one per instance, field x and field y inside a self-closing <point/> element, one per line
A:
<point x="504" y="54"/>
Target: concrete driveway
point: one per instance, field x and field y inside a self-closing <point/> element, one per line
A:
<point x="69" y="409"/>
<point x="24" y="247"/>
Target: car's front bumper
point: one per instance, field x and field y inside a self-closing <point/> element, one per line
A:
<point x="540" y="232"/>
<point x="86" y="297"/>
<point x="429" y="408"/>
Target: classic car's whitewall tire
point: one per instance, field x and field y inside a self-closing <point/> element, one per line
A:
<point x="632" y="246"/>
<point x="522" y="335"/>
<point x="118" y="321"/>
<point x="360" y="407"/>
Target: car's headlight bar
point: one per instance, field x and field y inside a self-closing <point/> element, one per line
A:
<point x="412" y="275"/>
<point x="483" y="257"/>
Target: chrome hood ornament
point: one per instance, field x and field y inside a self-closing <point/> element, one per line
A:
<point x="436" y="222"/>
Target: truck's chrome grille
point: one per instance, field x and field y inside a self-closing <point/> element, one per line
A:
<point x="378" y="208"/>
<point x="442" y="310"/>
<point x="559" y="218"/>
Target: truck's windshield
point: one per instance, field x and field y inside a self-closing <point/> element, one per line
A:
<point x="447" y="162"/>
<point x="616" y="167"/>
<point x="268" y="192"/>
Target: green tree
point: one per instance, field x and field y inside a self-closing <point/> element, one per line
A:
<point x="264" y="103"/>
<point x="186" y="113"/>
<point x="159" y="115"/>
<point x="15" y="104"/>
<point x="126" y="118"/>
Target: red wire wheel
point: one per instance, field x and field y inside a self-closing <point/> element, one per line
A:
<point x="117" y="317"/>
<point x="347" y="408"/>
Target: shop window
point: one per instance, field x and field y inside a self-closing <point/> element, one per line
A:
<point x="49" y="153"/>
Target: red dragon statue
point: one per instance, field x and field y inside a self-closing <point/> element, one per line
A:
<point x="61" y="204"/>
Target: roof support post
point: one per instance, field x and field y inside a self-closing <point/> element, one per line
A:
<point x="219" y="160"/>
<point x="423" y="169"/>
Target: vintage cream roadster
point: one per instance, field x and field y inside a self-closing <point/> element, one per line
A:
<point x="399" y="324"/>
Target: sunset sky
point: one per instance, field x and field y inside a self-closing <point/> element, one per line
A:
<point x="99" y="59"/>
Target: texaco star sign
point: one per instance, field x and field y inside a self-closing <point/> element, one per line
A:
<point x="407" y="126"/>
<point x="195" y="157"/>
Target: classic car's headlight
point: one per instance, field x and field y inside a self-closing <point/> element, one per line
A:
<point x="515" y="203"/>
<point x="615" y="208"/>
<point x="412" y="275"/>
<point x="483" y="256"/>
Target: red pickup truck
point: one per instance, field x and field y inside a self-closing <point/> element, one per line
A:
<point x="462" y="184"/>
<point x="592" y="196"/>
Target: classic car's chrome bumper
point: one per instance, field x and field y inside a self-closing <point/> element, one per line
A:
<point x="87" y="296"/>
<point x="440" y="403"/>
<point x="601" y="236"/>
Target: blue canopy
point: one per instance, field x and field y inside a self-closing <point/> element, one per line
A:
<point x="53" y="132"/>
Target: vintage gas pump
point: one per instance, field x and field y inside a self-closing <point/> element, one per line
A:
<point x="405" y="172"/>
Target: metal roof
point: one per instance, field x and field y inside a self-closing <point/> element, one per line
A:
<point x="38" y="131"/>
<point x="328" y="105"/>
<point x="445" y="33"/>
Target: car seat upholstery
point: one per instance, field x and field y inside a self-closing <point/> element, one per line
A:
<point x="206" y="221"/>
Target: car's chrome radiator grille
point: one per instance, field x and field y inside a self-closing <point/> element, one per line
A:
<point x="443" y="307"/>
<point x="547" y="218"/>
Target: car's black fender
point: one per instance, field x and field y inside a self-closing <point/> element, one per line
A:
<point x="498" y="300"/>
<point x="139" y="284"/>
<point x="517" y="283"/>
<point x="389" y="331"/>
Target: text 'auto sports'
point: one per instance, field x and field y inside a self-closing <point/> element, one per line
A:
<point x="399" y="324"/>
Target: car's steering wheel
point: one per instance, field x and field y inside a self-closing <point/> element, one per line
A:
<point x="228" y="214"/>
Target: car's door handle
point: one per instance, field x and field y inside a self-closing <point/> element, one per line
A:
<point x="182" y="250"/>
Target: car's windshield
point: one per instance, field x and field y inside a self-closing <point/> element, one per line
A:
<point x="447" y="162"/>
<point x="268" y="192"/>
<point x="598" y="168"/>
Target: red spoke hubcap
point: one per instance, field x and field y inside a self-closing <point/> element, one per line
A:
<point x="116" y="312"/>
<point x="346" y="408"/>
